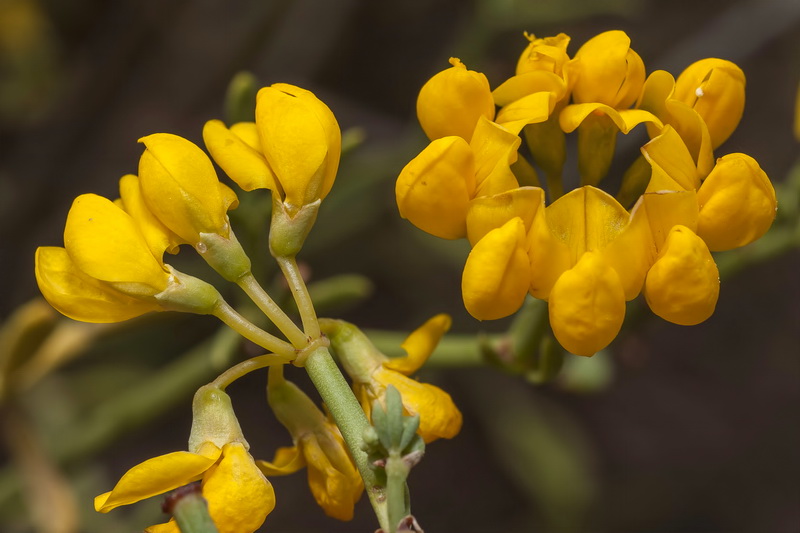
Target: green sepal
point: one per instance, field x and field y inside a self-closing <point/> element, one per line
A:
<point x="290" y="226"/>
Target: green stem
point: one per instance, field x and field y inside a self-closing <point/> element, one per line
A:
<point x="352" y="422"/>
<point x="251" y="332"/>
<point x="245" y="367"/>
<point x="300" y="293"/>
<point x="268" y="306"/>
<point x="190" y="510"/>
<point x="396" y="475"/>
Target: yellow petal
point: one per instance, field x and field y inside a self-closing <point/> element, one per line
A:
<point x="694" y="133"/>
<point x="609" y="72"/>
<point x="419" y="345"/>
<point x="452" y="101"/>
<point x="670" y="153"/>
<point x="625" y="120"/>
<point x="239" y="496"/>
<point x="715" y="89"/>
<point x="179" y="184"/>
<point x="167" y="527"/>
<point x="632" y="252"/>
<point x="434" y="189"/>
<point x="105" y="243"/>
<point x="587" y="306"/>
<point x="287" y="460"/>
<point x="244" y="163"/>
<point x="548" y="254"/>
<point x="301" y="141"/>
<point x="82" y="297"/>
<point x="495" y="149"/>
<point x="438" y="415"/>
<point x="497" y="273"/>
<point x="154" y="476"/>
<point x="666" y="209"/>
<point x="248" y="133"/>
<point x="489" y="212"/>
<point x="332" y="476"/>
<point x="158" y="237"/>
<point x="546" y="54"/>
<point x="523" y="85"/>
<point x="737" y="203"/>
<point x="531" y="109"/>
<point x="586" y="219"/>
<point x="682" y="286"/>
<point x="657" y="89"/>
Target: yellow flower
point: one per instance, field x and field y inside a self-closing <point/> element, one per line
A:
<point x="109" y="271"/>
<point x="715" y="89"/>
<point x="239" y="496"/>
<point x="318" y="444"/>
<point x="292" y="149"/>
<point x="372" y="372"/>
<point x="452" y="101"/>
<point x="181" y="188"/>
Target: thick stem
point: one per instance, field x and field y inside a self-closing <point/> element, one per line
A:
<point x="396" y="475"/>
<point x="276" y="315"/>
<point x="300" y="293"/>
<point x="251" y="332"/>
<point x="190" y="510"/>
<point x="350" y="418"/>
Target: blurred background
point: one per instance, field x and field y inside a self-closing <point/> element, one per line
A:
<point x="672" y="429"/>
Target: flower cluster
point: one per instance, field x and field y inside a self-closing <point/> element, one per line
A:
<point x="585" y="251"/>
<point x="112" y="268"/>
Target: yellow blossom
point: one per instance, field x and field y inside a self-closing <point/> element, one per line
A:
<point x="239" y="496"/>
<point x="292" y="149"/>
<point x="318" y="444"/>
<point x="452" y="101"/>
<point x="372" y="372"/>
<point x="181" y="188"/>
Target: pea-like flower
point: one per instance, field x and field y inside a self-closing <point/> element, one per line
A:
<point x="109" y="271"/>
<point x="372" y="372"/>
<point x="292" y="149"/>
<point x="318" y="445"/>
<point x="239" y="496"/>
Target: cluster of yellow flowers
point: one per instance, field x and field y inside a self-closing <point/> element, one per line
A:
<point x="112" y="268"/>
<point x="583" y="251"/>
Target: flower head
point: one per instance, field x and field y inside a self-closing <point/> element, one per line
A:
<point x="372" y="372"/>
<point x="239" y="496"/>
<point x="318" y="445"/>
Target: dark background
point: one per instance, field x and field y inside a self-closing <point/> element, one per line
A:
<point x="698" y="430"/>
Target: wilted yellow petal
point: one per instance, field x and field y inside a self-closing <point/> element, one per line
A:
<point x="715" y="89"/>
<point x="489" y="212"/>
<point x="682" y="286"/>
<point x="452" y="101"/>
<point x="80" y="296"/>
<point x="332" y="476"/>
<point x="438" y="415"/>
<point x="301" y="141"/>
<point x="419" y="345"/>
<point x="239" y="496"/>
<point x="105" y="243"/>
<point x="287" y="460"/>
<point x="154" y="476"/>
<point x="243" y="162"/>
<point x="180" y="187"/>
<point x="587" y="306"/>
<point x="434" y="189"/>
<point x="737" y="203"/>
<point x="497" y="273"/>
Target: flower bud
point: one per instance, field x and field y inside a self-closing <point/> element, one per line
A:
<point x="608" y="71"/>
<point x="682" y="286"/>
<point x="452" y="101"/>
<point x="715" y="89"/>
<point x="737" y="203"/>
<point x="300" y="140"/>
